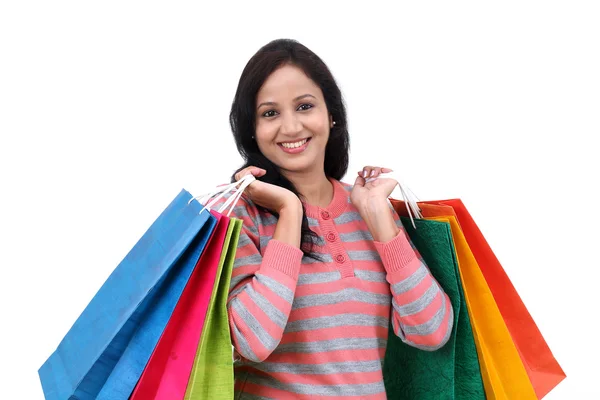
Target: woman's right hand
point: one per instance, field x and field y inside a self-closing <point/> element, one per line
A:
<point x="266" y="195"/>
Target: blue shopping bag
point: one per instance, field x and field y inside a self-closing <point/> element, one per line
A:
<point x="105" y="351"/>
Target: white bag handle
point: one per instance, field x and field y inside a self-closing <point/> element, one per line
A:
<point x="232" y="201"/>
<point x="411" y="202"/>
<point x="221" y="191"/>
<point x="221" y="188"/>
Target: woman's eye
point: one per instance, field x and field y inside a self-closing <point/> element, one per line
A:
<point x="304" y="107"/>
<point x="272" y="113"/>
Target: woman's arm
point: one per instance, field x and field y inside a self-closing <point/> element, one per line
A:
<point x="422" y="313"/>
<point x="263" y="285"/>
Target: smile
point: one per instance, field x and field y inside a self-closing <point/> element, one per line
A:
<point x="294" y="147"/>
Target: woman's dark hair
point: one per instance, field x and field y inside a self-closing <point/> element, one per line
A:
<point x="242" y="117"/>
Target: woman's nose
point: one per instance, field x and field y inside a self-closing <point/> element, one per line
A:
<point x="290" y="125"/>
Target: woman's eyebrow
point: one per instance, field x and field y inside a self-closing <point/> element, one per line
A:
<point x="272" y="103"/>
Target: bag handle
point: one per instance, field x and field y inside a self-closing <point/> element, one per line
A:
<point x="232" y="201"/>
<point x="223" y="190"/>
<point x="411" y="201"/>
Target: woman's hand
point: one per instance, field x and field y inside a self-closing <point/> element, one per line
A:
<point x="367" y="195"/>
<point x="371" y="201"/>
<point x="269" y="196"/>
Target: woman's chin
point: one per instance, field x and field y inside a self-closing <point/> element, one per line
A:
<point x="299" y="166"/>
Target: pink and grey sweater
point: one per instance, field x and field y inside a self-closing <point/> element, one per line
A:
<point x="305" y="329"/>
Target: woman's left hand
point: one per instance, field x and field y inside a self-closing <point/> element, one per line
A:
<point x="365" y="195"/>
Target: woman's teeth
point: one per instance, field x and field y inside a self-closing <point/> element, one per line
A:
<point x="294" y="145"/>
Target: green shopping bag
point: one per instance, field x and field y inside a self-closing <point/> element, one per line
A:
<point x="451" y="372"/>
<point x="212" y="374"/>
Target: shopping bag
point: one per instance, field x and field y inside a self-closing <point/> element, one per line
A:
<point x="123" y="319"/>
<point x="451" y="372"/>
<point x="212" y="375"/>
<point x="167" y="372"/>
<point x="502" y="370"/>
<point x="130" y="367"/>
<point x="542" y="367"/>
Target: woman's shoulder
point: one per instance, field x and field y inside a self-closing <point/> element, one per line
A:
<point x="347" y="186"/>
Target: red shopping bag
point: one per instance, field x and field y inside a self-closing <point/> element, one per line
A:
<point x="542" y="367"/>
<point x="168" y="370"/>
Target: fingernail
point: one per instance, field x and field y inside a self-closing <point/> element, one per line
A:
<point x="373" y="173"/>
<point x="364" y="173"/>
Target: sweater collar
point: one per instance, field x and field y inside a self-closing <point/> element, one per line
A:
<point x="335" y="208"/>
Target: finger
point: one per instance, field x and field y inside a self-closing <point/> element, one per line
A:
<point x="386" y="170"/>
<point x="367" y="171"/>
<point x="375" y="172"/>
<point x="250" y="170"/>
<point x="257" y="171"/>
<point x="360" y="181"/>
<point x="241" y="174"/>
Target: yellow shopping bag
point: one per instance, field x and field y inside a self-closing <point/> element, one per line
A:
<point x="504" y="376"/>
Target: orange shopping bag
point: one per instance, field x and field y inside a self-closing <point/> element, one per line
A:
<point x="542" y="367"/>
<point x="502" y="370"/>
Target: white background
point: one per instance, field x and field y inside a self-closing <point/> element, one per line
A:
<point x="108" y="109"/>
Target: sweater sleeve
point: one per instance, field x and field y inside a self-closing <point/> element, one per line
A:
<point x="422" y="314"/>
<point x="263" y="283"/>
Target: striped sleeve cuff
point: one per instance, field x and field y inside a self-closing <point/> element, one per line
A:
<point x="283" y="257"/>
<point x="397" y="253"/>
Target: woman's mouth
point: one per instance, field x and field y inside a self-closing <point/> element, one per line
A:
<point x="294" y="147"/>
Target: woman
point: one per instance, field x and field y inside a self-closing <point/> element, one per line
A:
<point x="321" y="265"/>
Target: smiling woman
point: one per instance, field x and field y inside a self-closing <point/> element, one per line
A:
<point x="286" y="122"/>
<point x="321" y="266"/>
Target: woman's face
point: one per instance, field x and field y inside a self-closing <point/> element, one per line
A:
<point x="292" y="121"/>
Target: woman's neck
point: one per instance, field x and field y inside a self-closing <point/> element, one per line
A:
<point x="316" y="190"/>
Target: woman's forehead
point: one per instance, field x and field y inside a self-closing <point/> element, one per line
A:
<point x="287" y="83"/>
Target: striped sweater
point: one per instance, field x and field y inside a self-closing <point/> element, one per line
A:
<point x="305" y="329"/>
